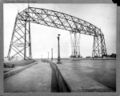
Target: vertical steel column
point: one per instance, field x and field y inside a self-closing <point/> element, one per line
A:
<point x="25" y="42"/>
<point x="71" y="44"/>
<point x="101" y="46"/>
<point x="93" y="51"/>
<point x="75" y="50"/>
<point x="30" y="49"/>
<point x="79" y="45"/>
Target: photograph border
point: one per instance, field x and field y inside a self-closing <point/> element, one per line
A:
<point x="59" y="94"/>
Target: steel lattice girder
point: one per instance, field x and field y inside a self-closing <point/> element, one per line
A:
<point x="54" y="19"/>
<point x="58" y="20"/>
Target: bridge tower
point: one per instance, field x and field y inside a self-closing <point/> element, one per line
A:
<point x="99" y="46"/>
<point x="20" y="45"/>
<point x="75" y="44"/>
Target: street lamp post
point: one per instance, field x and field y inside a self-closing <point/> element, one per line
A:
<point x="51" y="53"/>
<point x="58" y="59"/>
<point x="48" y="55"/>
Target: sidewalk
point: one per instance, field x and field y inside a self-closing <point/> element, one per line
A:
<point x="19" y="67"/>
<point x="33" y="79"/>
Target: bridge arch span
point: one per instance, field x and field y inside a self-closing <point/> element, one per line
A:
<point x="20" y="44"/>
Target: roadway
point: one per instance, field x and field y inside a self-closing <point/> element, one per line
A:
<point x="41" y="77"/>
<point x="34" y="79"/>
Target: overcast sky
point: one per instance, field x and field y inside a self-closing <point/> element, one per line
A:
<point x="44" y="38"/>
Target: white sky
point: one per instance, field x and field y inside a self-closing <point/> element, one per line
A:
<point x="44" y="38"/>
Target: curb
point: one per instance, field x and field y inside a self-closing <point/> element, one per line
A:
<point x="58" y="83"/>
<point x="13" y="72"/>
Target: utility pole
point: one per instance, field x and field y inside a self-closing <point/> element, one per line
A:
<point x="58" y="59"/>
<point x="51" y="53"/>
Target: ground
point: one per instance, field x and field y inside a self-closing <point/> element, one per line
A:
<point x="79" y="75"/>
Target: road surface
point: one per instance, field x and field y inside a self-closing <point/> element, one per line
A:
<point x="80" y="76"/>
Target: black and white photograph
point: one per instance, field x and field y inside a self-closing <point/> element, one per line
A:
<point x="52" y="47"/>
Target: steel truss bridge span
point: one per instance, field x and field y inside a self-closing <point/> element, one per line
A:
<point x="20" y="44"/>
